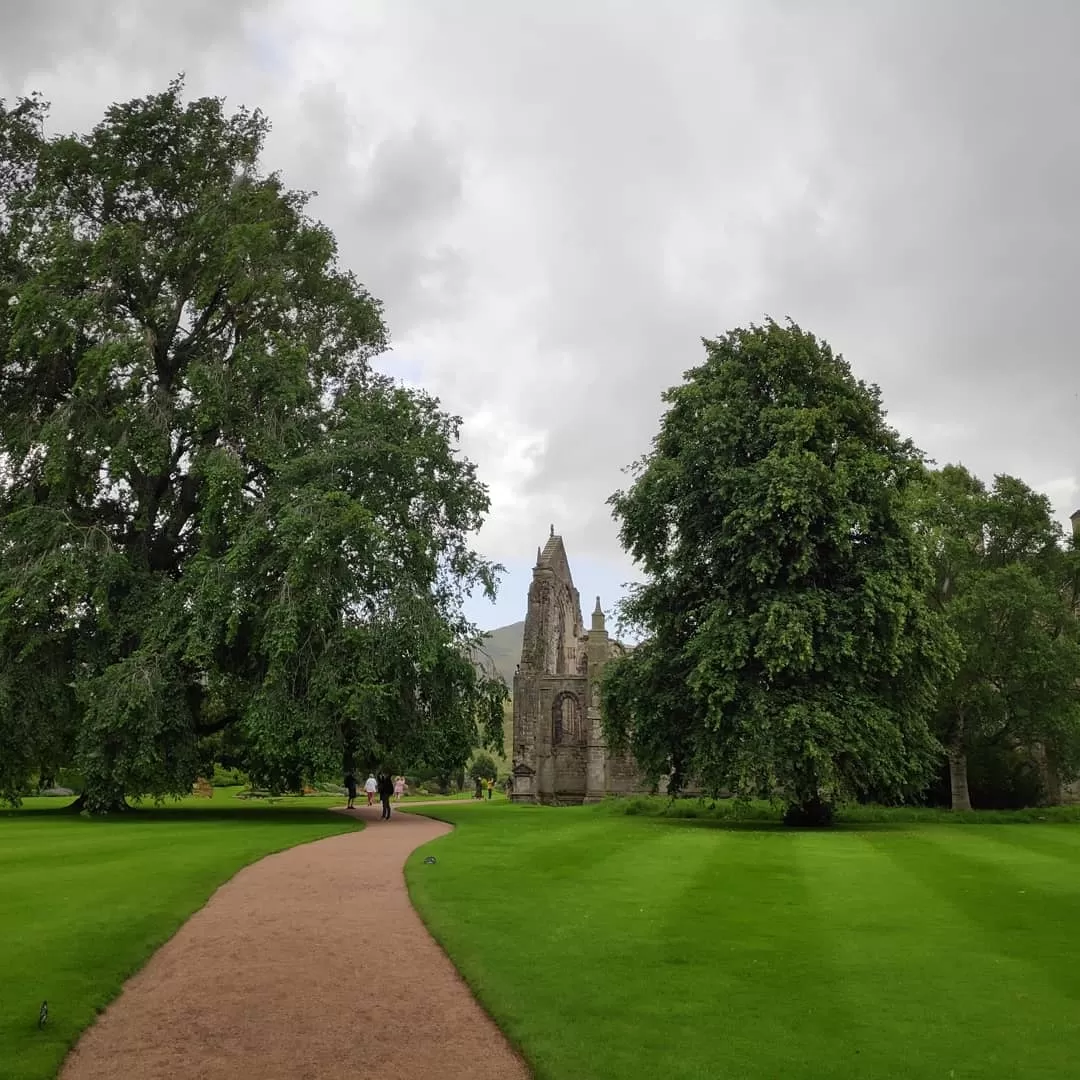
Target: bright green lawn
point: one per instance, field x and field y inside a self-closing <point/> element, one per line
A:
<point x="458" y="796"/>
<point x="83" y="903"/>
<point x="624" y="947"/>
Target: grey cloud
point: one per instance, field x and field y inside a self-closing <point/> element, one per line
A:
<point x="387" y="197"/>
<point x="917" y="167"/>
<point x="39" y="36"/>
<point x="410" y="187"/>
<point x="966" y="164"/>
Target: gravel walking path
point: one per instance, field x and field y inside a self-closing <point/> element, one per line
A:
<point x="308" y="964"/>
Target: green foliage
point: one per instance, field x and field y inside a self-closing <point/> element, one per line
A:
<point x="789" y="643"/>
<point x="1007" y="583"/>
<point x="482" y="767"/>
<point x="214" y="514"/>
<point x="223" y="778"/>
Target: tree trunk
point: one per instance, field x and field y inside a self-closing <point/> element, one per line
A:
<point x="812" y="812"/>
<point x="117" y="806"/>
<point x="1053" y="783"/>
<point x="1051" y="776"/>
<point x="958" y="778"/>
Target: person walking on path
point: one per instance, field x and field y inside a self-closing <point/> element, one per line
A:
<point x="399" y="788"/>
<point x="386" y="789"/>
<point x="350" y="787"/>
<point x="371" y="788"/>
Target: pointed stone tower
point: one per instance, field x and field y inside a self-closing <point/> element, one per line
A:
<point x="559" y="753"/>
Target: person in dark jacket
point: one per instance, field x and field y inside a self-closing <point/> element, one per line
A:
<point x="350" y="787"/>
<point x="386" y="791"/>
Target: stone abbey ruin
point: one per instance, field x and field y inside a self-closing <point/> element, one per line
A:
<point x="559" y="753"/>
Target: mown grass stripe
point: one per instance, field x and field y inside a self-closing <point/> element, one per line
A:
<point x="661" y="946"/>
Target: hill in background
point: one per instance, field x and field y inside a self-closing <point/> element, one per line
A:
<point x="502" y="650"/>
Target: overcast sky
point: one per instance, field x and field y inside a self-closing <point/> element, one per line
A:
<point x="557" y="200"/>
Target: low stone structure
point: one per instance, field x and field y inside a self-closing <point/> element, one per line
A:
<point x="560" y="754"/>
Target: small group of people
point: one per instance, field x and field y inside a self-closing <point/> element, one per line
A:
<point x="484" y="787"/>
<point x="384" y="785"/>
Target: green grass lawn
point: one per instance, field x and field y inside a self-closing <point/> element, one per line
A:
<point x="457" y="796"/>
<point x="609" y="945"/>
<point x="84" y="903"/>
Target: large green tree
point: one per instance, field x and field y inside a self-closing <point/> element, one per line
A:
<point x="1006" y="581"/>
<point x="789" y="646"/>
<point x="214" y="513"/>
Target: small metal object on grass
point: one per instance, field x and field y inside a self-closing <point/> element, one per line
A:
<point x="430" y="859"/>
<point x="43" y="1015"/>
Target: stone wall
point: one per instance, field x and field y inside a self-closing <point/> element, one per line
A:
<point x="569" y="773"/>
<point x="623" y="777"/>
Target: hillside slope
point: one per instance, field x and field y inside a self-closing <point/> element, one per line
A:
<point x="502" y="649"/>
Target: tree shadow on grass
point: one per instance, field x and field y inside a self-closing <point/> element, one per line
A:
<point x="899" y="826"/>
<point x="778" y="826"/>
<point x="248" y="815"/>
<point x="849" y="818"/>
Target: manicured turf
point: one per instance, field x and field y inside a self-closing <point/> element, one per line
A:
<point x="84" y="903"/>
<point x="614" y="946"/>
<point x="458" y="796"/>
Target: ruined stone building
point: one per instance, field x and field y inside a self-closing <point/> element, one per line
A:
<point x="560" y="755"/>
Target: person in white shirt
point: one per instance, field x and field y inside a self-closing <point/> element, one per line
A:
<point x="371" y="787"/>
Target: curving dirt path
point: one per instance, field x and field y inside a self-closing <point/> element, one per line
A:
<point x="308" y="964"/>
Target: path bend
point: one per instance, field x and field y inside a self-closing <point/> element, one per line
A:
<point x="311" y="963"/>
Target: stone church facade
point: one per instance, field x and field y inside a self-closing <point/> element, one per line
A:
<point x="559" y="754"/>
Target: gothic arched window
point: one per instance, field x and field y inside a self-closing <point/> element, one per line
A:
<point x="565" y="719"/>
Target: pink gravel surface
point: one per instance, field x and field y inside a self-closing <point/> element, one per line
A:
<point x="310" y="963"/>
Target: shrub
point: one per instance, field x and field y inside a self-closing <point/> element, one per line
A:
<point x="228" y="777"/>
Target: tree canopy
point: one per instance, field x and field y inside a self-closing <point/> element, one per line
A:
<point x="214" y="513"/>
<point x="483" y="767"/>
<point x="789" y="644"/>
<point x="1006" y="582"/>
